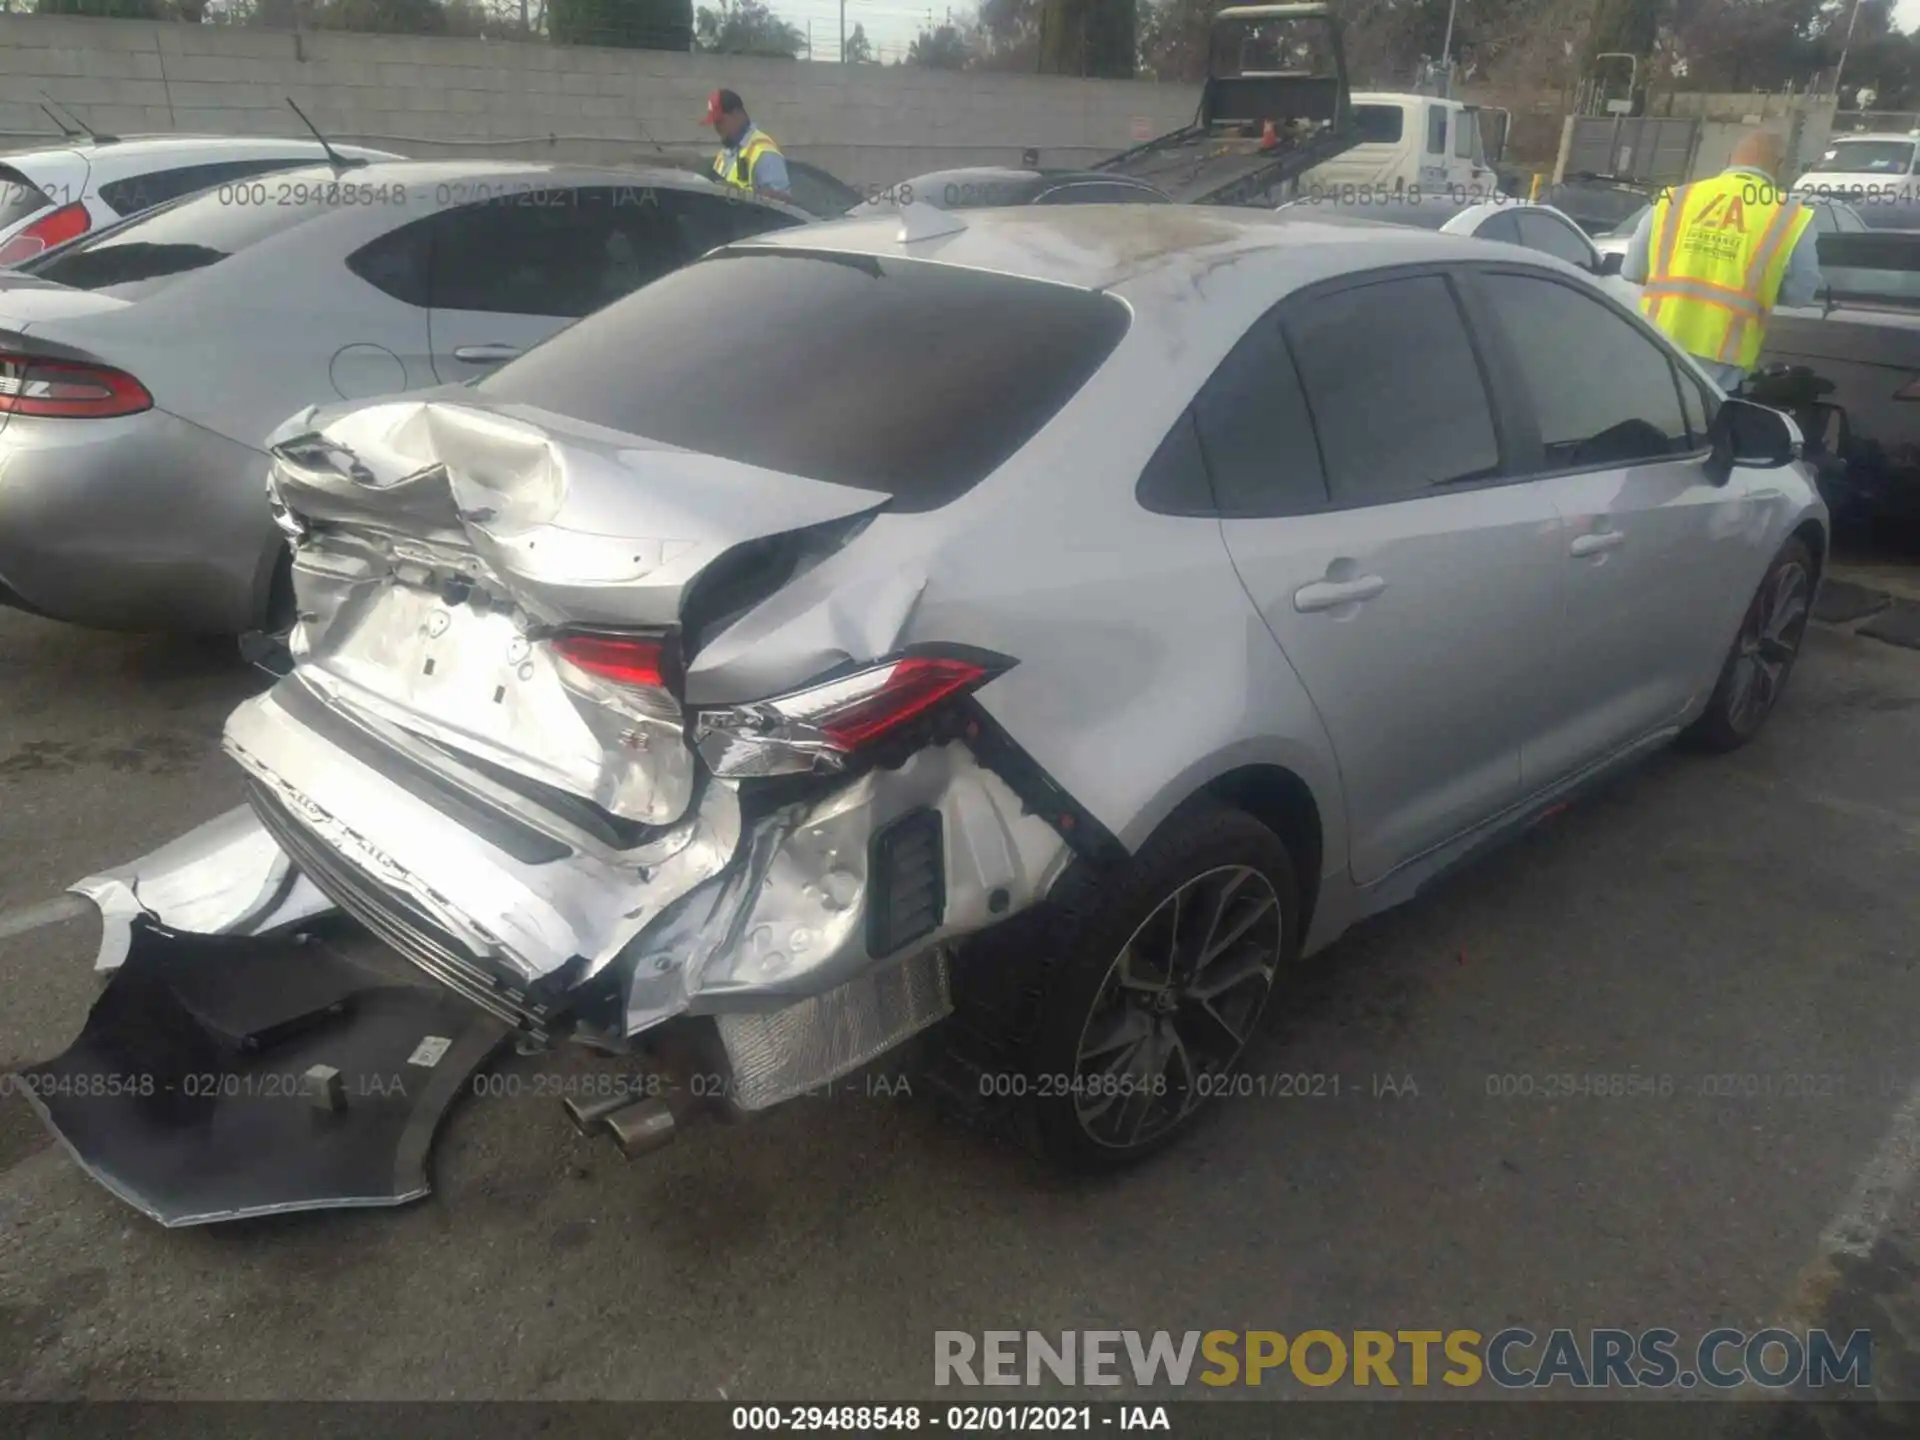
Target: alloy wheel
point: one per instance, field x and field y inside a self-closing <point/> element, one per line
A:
<point x="1177" y="1006"/>
<point x="1769" y="640"/>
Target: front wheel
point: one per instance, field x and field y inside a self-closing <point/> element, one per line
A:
<point x="1762" y="656"/>
<point x="1164" y="971"/>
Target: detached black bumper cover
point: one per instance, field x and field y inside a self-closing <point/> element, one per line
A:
<point x="224" y="1077"/>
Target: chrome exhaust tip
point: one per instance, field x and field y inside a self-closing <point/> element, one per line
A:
<point x="640" y="1127"/>
<point x="586" y="1117"/>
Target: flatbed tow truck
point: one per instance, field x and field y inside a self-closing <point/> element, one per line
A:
<point x="1274" y="105"/>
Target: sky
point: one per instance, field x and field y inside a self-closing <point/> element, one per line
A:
<point x="892" y="24"/>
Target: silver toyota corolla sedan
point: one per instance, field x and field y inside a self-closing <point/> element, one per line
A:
<point x="142" y="367"/>
<point x="1140" y="597"/>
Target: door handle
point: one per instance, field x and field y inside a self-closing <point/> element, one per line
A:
<point x="1597" y="543"/>
<point x="1331" y="594"/>
<point x="485" y="354"/>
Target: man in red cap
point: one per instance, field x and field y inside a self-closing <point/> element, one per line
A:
<point x="748" y="157"/>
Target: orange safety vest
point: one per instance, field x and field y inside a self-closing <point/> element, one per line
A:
<point x="1719" y="252"/>
<point x="740" y="171"/>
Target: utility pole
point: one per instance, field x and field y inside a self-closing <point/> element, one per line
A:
<point x="1446" y="50"/>
<point x="843" y="32"/>
<point x="1840" y="68"/>
<point x="809" y="39"/>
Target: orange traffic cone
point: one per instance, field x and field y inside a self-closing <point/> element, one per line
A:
<point x="1269" y="138"/>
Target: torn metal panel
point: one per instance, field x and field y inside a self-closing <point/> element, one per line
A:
<point x="226" y="877"/>
<point x="577" y="522"/>
<point x="526" y="918"/>
<point x="791" y="919"/>
<point x="227" y="1077"/>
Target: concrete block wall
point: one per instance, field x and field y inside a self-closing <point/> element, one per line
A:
<point x="868" y="124"/>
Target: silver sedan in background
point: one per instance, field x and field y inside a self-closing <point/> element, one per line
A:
<point x="141" y="367"/>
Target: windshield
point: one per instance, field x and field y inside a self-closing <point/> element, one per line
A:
<point x="1865" y="157"/>
<point x="1598" y="209"/>
<point x="142" y="254"/>
<point x="1273" y="46"/>
<point x="938" y="375"/>
<point x="1379" y="124"/>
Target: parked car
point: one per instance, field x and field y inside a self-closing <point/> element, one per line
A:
<point x="150" y="360"/>
<point x="769" y="734"/>
<point x="812" y="189"/>
<point x="1511" y="222"/>
<point x="49" y="196"/>
<point x="1598" y="204"/>
<point x="1874" y="172"/>
<point x="1848" y="369"/>
<point x="980" y="186"/>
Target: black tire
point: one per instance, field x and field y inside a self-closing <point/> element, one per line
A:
<point x="1761" y="657"/>
<point x="1090" y="1114"/>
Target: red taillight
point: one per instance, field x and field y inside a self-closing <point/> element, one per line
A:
<point x="48" y="231"/>
<point x="33" y="385"/>
<point x="910" y="687"/>
<point x="618" y="659"/>
<point x="822" y="726"/>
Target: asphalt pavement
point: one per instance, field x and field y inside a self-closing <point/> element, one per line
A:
<point x="1706" y="920"/>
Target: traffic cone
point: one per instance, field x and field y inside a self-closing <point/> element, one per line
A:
<point x="1269" y="138"/>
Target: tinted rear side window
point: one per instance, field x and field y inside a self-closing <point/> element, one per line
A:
<point x="891" y="375"/>
<point x="1395" y="389"/>
<point x="19" y="197"/>
<point x="172" y="240"/>
<point x="1256" y="434"/>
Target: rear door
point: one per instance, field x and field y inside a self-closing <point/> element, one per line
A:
<point x="1656" y="559"/>
<point x="1415" y="591"/>
<point x="511" y="271"/>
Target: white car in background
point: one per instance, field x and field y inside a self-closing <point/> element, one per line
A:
<point x="53" y="195"/>
<point x="1502" y="218"/>
<point x="1875" y="171"/>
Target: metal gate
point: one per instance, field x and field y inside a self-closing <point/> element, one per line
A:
<point x="1651" y="151"/>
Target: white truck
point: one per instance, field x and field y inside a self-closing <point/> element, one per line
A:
<point x="1408" y="142"/>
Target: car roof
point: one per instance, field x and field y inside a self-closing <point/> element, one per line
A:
<point x="1102" y="247"/>
<point x="161" y="147"/>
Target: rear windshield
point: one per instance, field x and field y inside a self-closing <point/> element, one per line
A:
<point x="1379" y="124"/>
<point x="19" y="197"/>
<point x="1596" y="208"/>
<point x="894" y="375"/>
<point x="1427" y="212"/>
<point x="140" y="255"/>
<point x="1865" y="157"/>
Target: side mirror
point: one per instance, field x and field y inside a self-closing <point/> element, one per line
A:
<point x="1743" y="433"/>
<point x="1612" y="263"/>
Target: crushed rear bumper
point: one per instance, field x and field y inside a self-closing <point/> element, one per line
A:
<point x="223" y="1077"/>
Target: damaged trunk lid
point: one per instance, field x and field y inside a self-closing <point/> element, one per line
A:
<point x="523" y="589"/>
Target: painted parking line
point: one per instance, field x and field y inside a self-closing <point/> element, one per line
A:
<point x="1864" y="1216"/>
<point x="47" y="912"/>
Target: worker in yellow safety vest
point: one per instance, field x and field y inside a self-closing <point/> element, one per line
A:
<point x="1715" y="256"/>
<point x="748" y="158"/>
